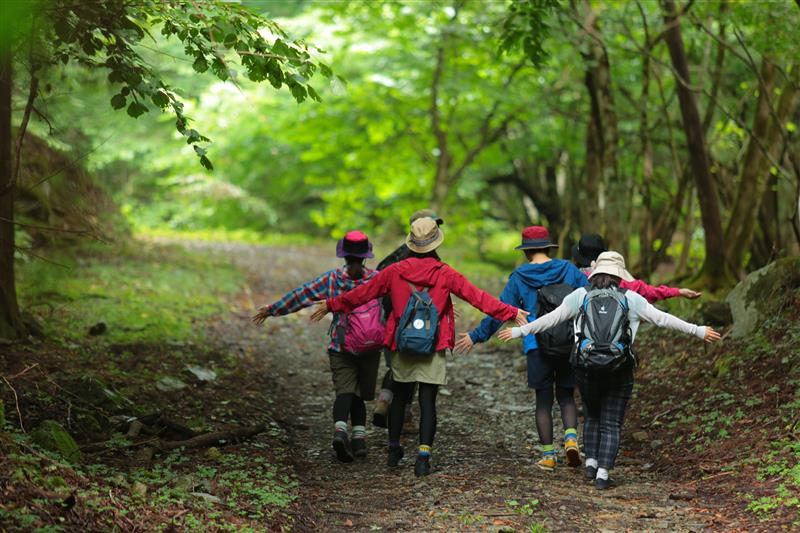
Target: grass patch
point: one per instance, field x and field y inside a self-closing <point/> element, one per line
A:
<point x="247" y="236"/>
<point x="143" y="292"/>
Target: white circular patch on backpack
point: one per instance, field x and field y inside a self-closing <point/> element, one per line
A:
<point x="419" y="323"/>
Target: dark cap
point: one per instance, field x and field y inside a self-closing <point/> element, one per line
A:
<point x="354" y="243"/>
<point x="588" y="248"/>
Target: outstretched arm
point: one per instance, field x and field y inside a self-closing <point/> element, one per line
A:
<point x="483" y="301"/>
<point x="655" y="294"/>
<point x="489" y="325"/>
<point x="568" y="309"/>
<point x="296" y="299"/>
<point x="374" y="288"/>
<point x="666" y="320"/>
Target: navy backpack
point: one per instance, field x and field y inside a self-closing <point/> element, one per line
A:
<point x="419" y="324"/>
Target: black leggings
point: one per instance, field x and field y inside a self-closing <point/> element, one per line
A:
<point x="427" y="411"/>
<point x="544" y="411"/>
<point x="352" y="405"/>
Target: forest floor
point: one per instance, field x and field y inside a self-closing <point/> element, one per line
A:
<point x="286" y="478"/>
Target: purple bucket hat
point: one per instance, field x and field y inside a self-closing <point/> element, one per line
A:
<point x="356" y="244"/>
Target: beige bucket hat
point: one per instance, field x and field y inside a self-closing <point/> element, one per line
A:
<point x="611" y="263"/>
<point x="425" y="236"/>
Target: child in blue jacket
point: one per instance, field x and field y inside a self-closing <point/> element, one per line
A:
<point x="522" y="290"/>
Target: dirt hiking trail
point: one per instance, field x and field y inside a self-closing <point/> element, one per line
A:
<point x="484" y="477"/>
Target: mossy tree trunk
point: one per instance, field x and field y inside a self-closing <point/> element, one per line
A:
<point x="715" y="271"/>
<point x="11" y="326"/>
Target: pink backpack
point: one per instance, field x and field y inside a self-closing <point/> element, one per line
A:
<point x="364" y="329"/>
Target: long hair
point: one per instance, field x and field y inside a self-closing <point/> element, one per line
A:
<point x="604" y="281"/>
<point x="355" y="266"/>
<point x="432" y="253"/>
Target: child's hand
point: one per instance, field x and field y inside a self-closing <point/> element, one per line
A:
<point x="689" y="293"/>
<point x="505" y="335"/>
<point x="522" y="317"/>
<point x="464" y="344"/>
<point x="711" y="335"/>
<point x="261" y="316"/>
<point x="320" y="311"/>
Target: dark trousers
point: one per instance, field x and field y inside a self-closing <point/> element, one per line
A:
<point x="427" y="411"/>
<point x="605" y="398"/>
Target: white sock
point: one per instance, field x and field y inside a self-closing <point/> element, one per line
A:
<point x="386" y="395"/>
<point x="591" y="462"/>
<point x="602" y="473"/>
<point x="359" y="432"/>
<point x="340" y="426"/>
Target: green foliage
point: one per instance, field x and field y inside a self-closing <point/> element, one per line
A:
<point x="526" y="509"/>
<point x="105" y="35"/>
<point x="367" y="156"/>
<point x="526" y="26"/>
<point x="51" y="436"/>
<point x="142" y="292"/>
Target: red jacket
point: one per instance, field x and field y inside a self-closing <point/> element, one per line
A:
<point x="652" y="294"/>
<point x="426" y="272"/>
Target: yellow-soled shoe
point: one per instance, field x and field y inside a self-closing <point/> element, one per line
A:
<point x="573" y="453"/>
<point x="547" y="462"/>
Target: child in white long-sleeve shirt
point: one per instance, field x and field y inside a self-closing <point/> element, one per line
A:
<point x="605" y="394"/>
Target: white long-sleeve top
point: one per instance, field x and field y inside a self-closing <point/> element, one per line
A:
<point x="638" y="309"/>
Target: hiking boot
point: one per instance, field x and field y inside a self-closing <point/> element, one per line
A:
<point x="395" y="454"/>
<point x="359" y="448"/>
<point x="422" y="467"/>
<point x="341" y="444"/>
<point x="603" y="484"/>
<point x="379" y="417"/>
<point x="590" y="473"/>
<point x="547" y="462"/>
<point x="573" y="453"/>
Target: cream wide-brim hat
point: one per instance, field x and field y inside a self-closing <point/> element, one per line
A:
<point x="611" y="263"/>
<point x="425" y="236"/>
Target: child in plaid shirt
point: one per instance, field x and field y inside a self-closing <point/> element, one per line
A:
<point x="354" y="376"/>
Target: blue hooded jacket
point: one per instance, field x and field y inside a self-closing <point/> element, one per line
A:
<point x="522" y="291"/>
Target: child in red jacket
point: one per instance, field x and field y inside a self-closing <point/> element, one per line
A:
<point x="422" y="269"/>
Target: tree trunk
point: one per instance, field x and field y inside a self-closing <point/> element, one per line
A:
<point x="714" y="271"/>
<point x="667" y="224"/>
<point x="748" y="198"/>
<point x="763" y="149"/>
<point x="441" y="184"/>
<point x="688" y="231"/>
<point x="616" y="211"/>
<point x="645" y="233"/>
<point x="590" y="210"/>
<point x="443" y="158"/>
<point x="11" y="326"/>
<point x="767" y="242"/>
<point x="543" y="196"/>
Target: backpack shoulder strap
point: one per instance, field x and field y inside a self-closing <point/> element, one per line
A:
<point x="415" y="292"/>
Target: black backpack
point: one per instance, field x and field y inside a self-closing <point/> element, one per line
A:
<point x="556" y="342"/>
<point x="604" y="333"/>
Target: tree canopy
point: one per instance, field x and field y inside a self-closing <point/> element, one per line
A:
<point x="669" y="128"/>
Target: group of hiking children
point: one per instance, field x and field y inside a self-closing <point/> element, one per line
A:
<point x="578" y="323"/>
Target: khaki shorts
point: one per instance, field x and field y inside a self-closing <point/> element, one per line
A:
<point x="355" y="374"/>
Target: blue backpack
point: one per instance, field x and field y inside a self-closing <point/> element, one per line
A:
<point x="419" y="324"/>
